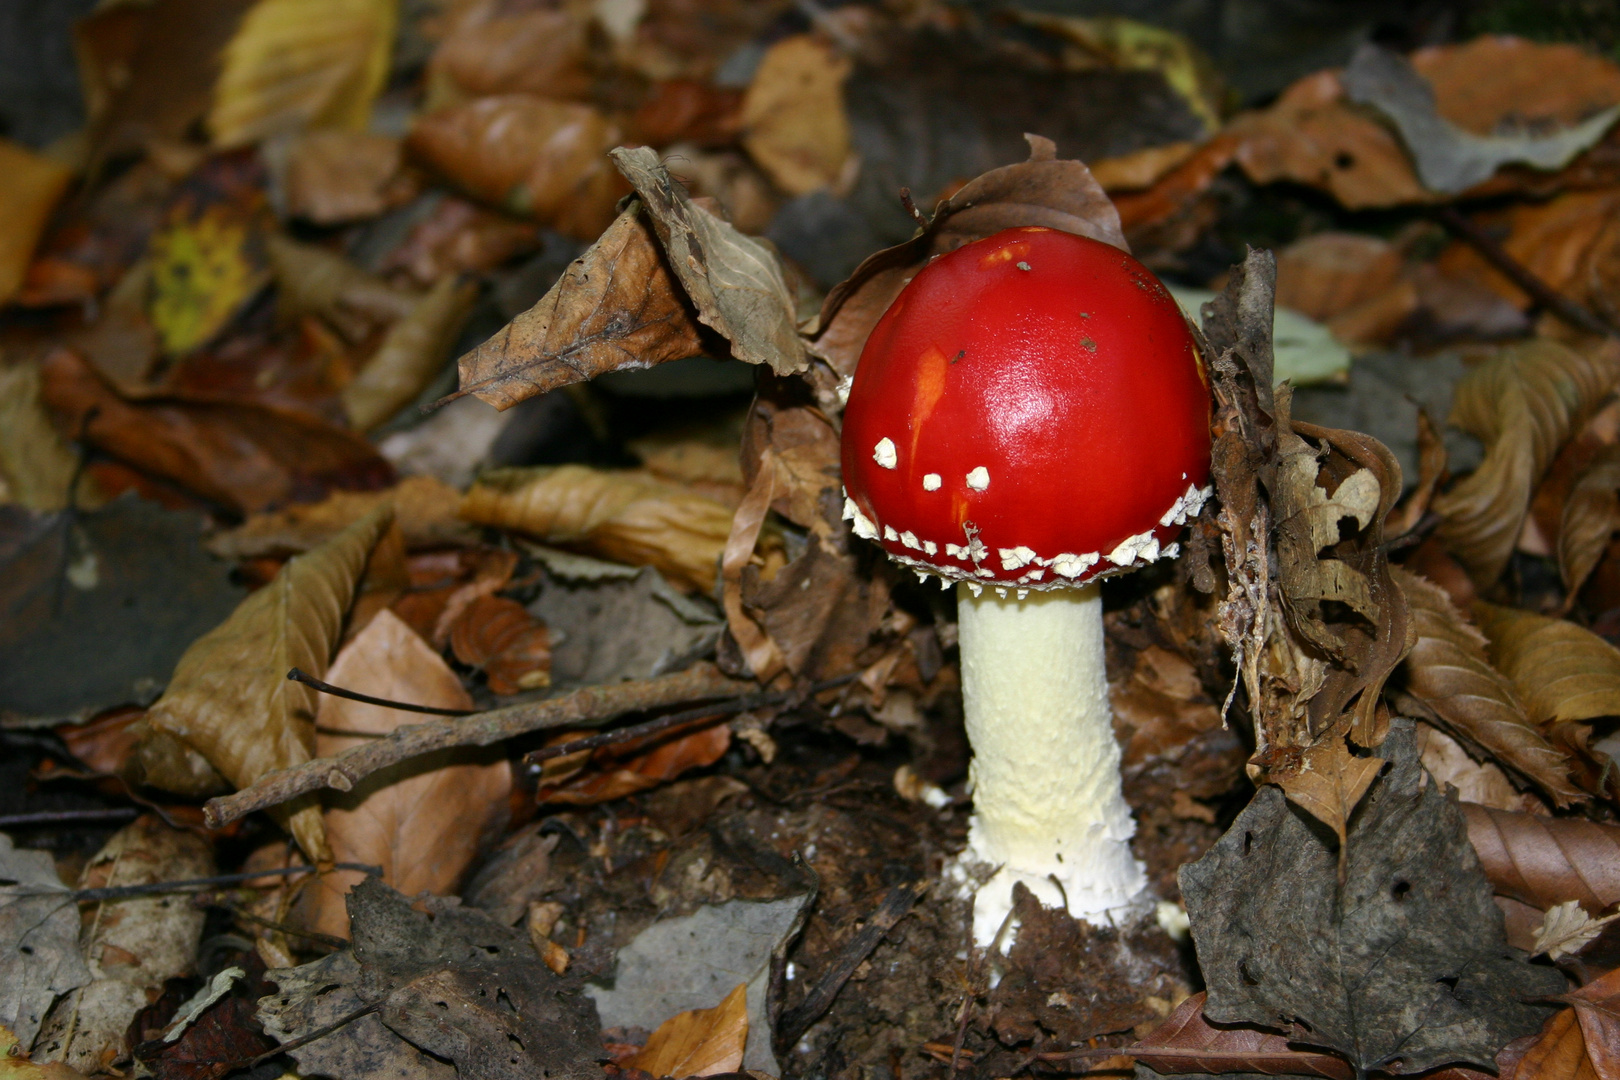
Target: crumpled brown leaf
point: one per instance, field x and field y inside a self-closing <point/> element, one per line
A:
<point x="1564" y="672"/>
<point x="425" y="510"/>
<point x="612" y="772"/>
<point x="1328" y="784"/>
<point x="422" y="821"/>
<point x="794" y="124"/>
<point x="1545" y="861"/>
<point x="1447" y="670"/>
<point x="230" y="702"/>
<point x="1523" y="403"/>
<point x="735" y="282"/>
<point x="625" y="515"/>
<point x="411" y="354"/>
<point x="616" y="306"/>
<point x="699" y="1042"/>
<point x="511" y="646"/>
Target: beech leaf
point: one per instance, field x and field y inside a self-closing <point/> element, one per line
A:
<point x="734" y="281"/>
<point x="1447" y="670"/>
<point x="1187" y="1043"/>
<point x="1545" y="861"/>
<point x="411" y="354"/>
<point x="1523" y="403"/>
<point x="699" y="1042"/>
<point x="230" y="700"/>
<point x="1591" y="515"/>
<point x="617" y="306"/>
<point x="1562" y="671"/>
<point x="793" y="115"/>
<point x="1329" y="783"/>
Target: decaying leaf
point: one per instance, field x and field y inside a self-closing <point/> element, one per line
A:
<point x="793" y="115"/>
<point x="39" y="941"/>
<point x="131" y="945"/>
<point x="1544" y="861"/>
<point x="302" y="63"/>
<point x="1448" y="671"/>
<point x="1567" y="930"/>
<point x="411" y="354"/>
<point x="30" y="186"/>
<point x="1595" y="1008"/>
<point x="1523" y="403"/>
<point x="1591" y="516"/>
<point x="423" y="821"/>
<point x="1328" y="785"/>
<point x="700" y="1042"/>
<point x="615" y="307"/>
<point x="1562" y="671"/>
<point x="425" y="510"/>
<point x="1406" y="961"/>
<point x="625" y="516"/>
<point x="437" y="983"/>
<point x="230" y="701"/>
<point x="734" y="281"/>
<point x="511" y="646"/>
<point x="1187" y="1043"/>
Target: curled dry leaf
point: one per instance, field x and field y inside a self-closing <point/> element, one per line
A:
<point x="734" y="281"/>
<point x="1591" y="515"/>
<point x="1446" y="759"/>
<point x="425" y="510"/>
<point x="700" y="1042"/>
<point x="793" y="115"/>
<point x="1328" y="784"/>
<point x="421" y="821"/>
<point x="230" y="701"/>
<point x="1563" y="672"/>
<point x="411" y="354"/>
<point x="1432" y="461"/>
<point x="1523" y="403"/>
<point x="511" y="646"/>
<point x="1448" y="671"/>
<point x="617" y="306"/>
<point x="1187" y="1043"/>
<point x="531" y="155"/>
<point x="624" y="516"/>
<point x="1545" y="861"/>
<point x="238" y="454"/>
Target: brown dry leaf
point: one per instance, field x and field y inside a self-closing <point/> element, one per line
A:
<point x="530" y="155"/>
<point x="1328" y="784"/>
<point x="425" y="509"/>
<point x="624" y="516"/>
<point x="422" y="821"/>
<point x="613" y="772"/>
<point x="699" y="1042"/>
<point x="1331" y="273"/>
<point x="696" y="461"/>
<point x="1559" y="1053"/>
<point x="1597" y="1007"/>
<point x="793" y="115"/>
<point x="1567" y="929"/>
<point x="496" y="47"/>
<point x="1591" y="516"/>
<point x="511" y="646"/>
<point x="311" y="280"/>
<point x="1481" y="782"/>
<point x="616" y="306"/>
<point x="36" y="464"/>
<point x="30" y="186"/>
<point x="1447" y="670"/>
<point x="1562" y="671"/>
<point x="1523" y="403"/>
<point x="1040" y="191"/>
<point x="411" y="354"/>
<point x="1432" y="462"/>
<point x="302" y="63"/>
<point x="1568" y="242"/>
<point x="230" y="700"/>
<point x="735" y="282"/>
<point x="688" y="111"/>
<point x="1186" y="1042"/>
<point x="1493" y="78"/>
<point x="336" y="176"/>
<point x="460" y="237"/>
<point x="238" y="454"/>
<point x="1545" y="861"/>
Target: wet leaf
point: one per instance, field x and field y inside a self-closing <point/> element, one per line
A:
<point x="1544" y="861"/>
<point x="1591" y="515"/>
<point x="624" y="516"/>
<point x="1567" y="930"/>
<point x="425" y="510"/>
<point x="230" y="700"/>
<point x="617" y="306"/>
<point x="512" y="647"/>
<point x="734" y="281"/>
<point x="1562" y="671"/>
<point x="133" y="944"/>
<point x="422" y="821"/>
<point x="302" y="63"/>
<point x="1448" y="671"/>
<point x="30" y="186"/>
<point x="700" y="1042"/>
<point x="1187" y="1043"/>
<point x="411" y="354"/>
<point x="793" y="118"/>
<point x="39" y="942"/>
<point x="1523" y="403"/>
<point x="1328" y="784"/>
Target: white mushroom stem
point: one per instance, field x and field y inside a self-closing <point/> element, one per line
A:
<point x="1048" y="808"/>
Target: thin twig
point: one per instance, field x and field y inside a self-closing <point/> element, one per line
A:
<point x="309" y="1037"/>
<point x="120" y="892"/>
<point x="297" y="676"/>
<point x="336" y="944"/>
<point x="66" y="817"/>
<point x="910" y="206"/>
<point x="1577" y="315"/>
<point x="591" y="705"/>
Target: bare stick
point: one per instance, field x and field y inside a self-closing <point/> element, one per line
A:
<point x="591" y="705"/>
<point x="1495" y="254"/>
<point x="295" y="675"/>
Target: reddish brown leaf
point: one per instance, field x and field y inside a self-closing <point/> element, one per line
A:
<point x="699" y="1042"/>
<point x="1187" y="1043"/>
<point x="685" y="110"/>
<point x="1543" y="861"/>
<point x="624" y="769"/>
<point x="1558" y="1053"/>
<point x="500" y="636"/>
<point x="501" y="48"/>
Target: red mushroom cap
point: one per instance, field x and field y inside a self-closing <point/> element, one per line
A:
<point x="1032" y="412"/>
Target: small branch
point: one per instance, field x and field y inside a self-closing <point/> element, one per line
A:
<point x="311" y="681"/>
<point x="911" y="207"/>
<point x="120" y="892"/>
<point x="593" y="704"/>
<point x="66" y="817"/>
<point x="1543" y="294"/>
<point x="309" y="1037"/>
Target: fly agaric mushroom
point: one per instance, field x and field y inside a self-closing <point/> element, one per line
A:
<point x="1031" y="415"/>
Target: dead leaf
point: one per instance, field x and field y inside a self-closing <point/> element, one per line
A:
<point x="529" y="155"/>
<point x="1567" y="930"/>
<point x="622" y="769"/>
<point x="230" y="700"/>
<point x="1329" y="273"/>
<point x="1590" y="517"/>
<point x="793" y="118"/>
<point x="311" y="280"/>
<point x="335" y="176"/>
<point x="1566" y="241"/>
<point x="1562" y="671"/>
<point x="1482" y="782"/>
<point x="1559" y="1053"/>
<point x="30" y="186"/>
<point x="426" y="511"/>
<point x="688" y="111"/>
<point x="625" y="516"/>
<point x="423" y="821"/>
<point x="735" y="282"/>
<point x="460" y="237"/>
<point x="207" y="262"/>
<point x="511" y="646"/>
<point x="1523" y="403"/>
<point x="1432" y="462"/>
<point x="37" y="466"/>
<point x="1544" y="861"/>
<point x="1596" y="1008"/>
<point x="1447" y="670"/>
<point x="1187" y="1043"/>
<point x="294" y="64"/>
<point x="492" y="47"/>
<point x="616" y="306"/>
<point x="40" y="957"/>
<point x="15" y="1063"/>
<point x="701" y="1042"/>
<point x="1328" y="784"/>
<point x="411" y="354"/>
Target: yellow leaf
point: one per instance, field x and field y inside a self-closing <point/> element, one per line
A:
<point x="302" y="63"/>
<point x="413" y="351"/>
<point x="14" y="1063"/>
<point x="202" y="274"/>
<point x="230" y="700"/>
<point x="793" y="114"/>
<point x="699" y="1042"/>
<point x="30" y="186"/>
<point x="1562" y="671"/>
